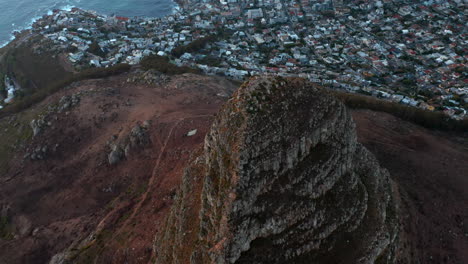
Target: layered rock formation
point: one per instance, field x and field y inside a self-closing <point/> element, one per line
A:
<point x="282" y="179"/>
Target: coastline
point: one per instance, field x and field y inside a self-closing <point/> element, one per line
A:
<point x="176" y="6"/>
<point x="28" y="25"/>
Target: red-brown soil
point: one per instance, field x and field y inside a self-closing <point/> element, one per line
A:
<point x="431" y="170"/>
<point x="75" y="193"/>
<point x="110" y="214"/>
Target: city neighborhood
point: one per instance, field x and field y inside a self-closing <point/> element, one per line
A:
<point x="411" y="53"/>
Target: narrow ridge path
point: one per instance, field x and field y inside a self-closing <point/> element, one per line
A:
<point x="156" y="167"/>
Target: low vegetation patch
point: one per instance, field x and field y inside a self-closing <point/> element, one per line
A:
<point x="39" y="95"/>
<point x="14" y="134"/>
<point x="428" y="119"/>
<point x="95" y="49"/>
<point x="33" y="70"/>
<point x="193" y="46"/>
<point x="89" y="252"/>
<point x="162" y="64"/>
<point x="5" y="232"/>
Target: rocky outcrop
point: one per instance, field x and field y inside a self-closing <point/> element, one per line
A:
<point x="282" y="179"/>
<point x="137" y="139"/>
<point x="151" y="77"/>
<point x="37" y="125"/>
<point x="67" y="102"/>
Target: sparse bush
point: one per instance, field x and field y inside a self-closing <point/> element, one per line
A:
<point x="5" y="232"/>
<point x="210" y="61"/>
<point x="163" y="65"/>
<point x="71" y="49"/>
<point x="194" y="46"/>
<point x="95" y="49"/>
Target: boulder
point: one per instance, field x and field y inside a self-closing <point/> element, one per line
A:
<point x="37" y="126"/>
<point x="116" y="155"/>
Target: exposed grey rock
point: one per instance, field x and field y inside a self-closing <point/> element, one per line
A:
<point x="138" y="136"/>
<point x="149" y="77"/>
<point x="116" y="155"/>
<point x="37" y="126"/>
<point x="60" y="258"/>
<point x="137" y="139"/>
<point x="39" y="153"/>
<point x="23" y="225"/>
<point x="146" y="124"/>
<point x="283" y="181"/>
<point x="67" y="102"/>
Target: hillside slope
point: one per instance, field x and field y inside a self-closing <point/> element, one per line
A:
<point x="59" y="188"/>
<point x="61" y="199"/>
<point x="29" y="61"/>
<point x="431" y="169"/>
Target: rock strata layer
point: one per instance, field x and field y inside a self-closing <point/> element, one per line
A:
<point x="282" y="179"/>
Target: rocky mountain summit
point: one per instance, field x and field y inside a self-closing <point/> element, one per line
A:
<point x="282" y="179"/>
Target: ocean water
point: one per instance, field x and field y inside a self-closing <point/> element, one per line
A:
<point x="19" y="14"/>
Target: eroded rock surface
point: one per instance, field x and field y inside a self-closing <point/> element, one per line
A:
<point x="137" y="139"/>
<point x="282" y="179"/>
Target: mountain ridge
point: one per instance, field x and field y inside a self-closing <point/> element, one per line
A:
<point x="264" y="190"/>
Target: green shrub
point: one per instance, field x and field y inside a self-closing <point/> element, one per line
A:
<point x="193" y="46"/>
<point x="210" y="61"/>
<point x="162" y="64"/>
<point x="5" y="226"/>
<point x="95" y="49"/>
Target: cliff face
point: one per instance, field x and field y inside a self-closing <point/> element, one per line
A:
<point x="282" y="179"/>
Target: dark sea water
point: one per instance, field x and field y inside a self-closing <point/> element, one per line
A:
<point x="19" y="14"/>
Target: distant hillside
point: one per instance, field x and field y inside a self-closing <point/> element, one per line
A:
<point x="28" y="62"/>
